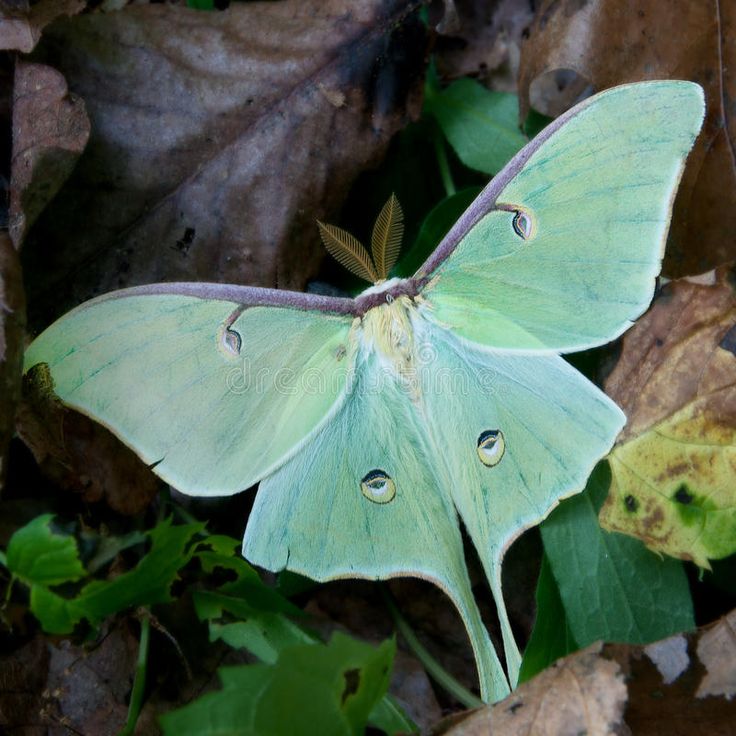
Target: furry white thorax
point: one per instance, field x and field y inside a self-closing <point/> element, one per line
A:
<point x="388" y="330"/>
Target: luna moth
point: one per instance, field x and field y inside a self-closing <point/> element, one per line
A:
<point x="373" y="422"/>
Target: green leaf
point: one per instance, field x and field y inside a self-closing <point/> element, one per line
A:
<point x="387" y="715"/>
<point x="611" y="586"/>
<point x="244" y="612"/>
<point x="264" y="631"/>
<point x="220" y="550"/>
<point x="434" y="227"/>
<point x="150" y="581"/>
<point x="551" y="637"/>
<point x="535" y="123"/>
<point x="36" y="554"/>
<point x="56" y="615"/>
<point x="247" y="614"/>
<point x="330" y="690"/>
<point x="482" y="126"/>
<point x="41" y="559"/>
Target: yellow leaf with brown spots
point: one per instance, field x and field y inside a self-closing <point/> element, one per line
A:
<point x="674" y="468"/>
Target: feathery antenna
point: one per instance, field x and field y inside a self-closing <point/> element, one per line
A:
<point x="348" y="251"/>
<point x="387" y="234"/>
<point x="385" y="244"/>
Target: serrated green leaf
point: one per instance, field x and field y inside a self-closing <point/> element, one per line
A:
<point x="330" y="690"/>
<point x="611" y="586"/>
<point x="149" y="582"/>
<point x="551" y="636"/>
<point x="482" y="126"/>
<point x="109" y="547"/>
<point x="221" y="551"/>
<point x="247" y="614"/>
<point x="263" y="630"/>
<point x="146" y="584"/>
<point x="56" y="615"/>
<point x="244" y="612"/>
<point x="37" y="555"/>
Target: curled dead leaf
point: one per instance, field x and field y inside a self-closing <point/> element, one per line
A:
<point x="660" y="703"/>
<point x="659" y="688"/>
<point x="21" y="23"/>
<point x="582" y="693"/>
<point x="717" y="652"/>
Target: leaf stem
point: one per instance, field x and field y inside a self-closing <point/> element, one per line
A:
<point x="139" y="684"/>
<point x="442" y="161"/>
<point x="8" y="591"/>
<point x="434" y="669"/>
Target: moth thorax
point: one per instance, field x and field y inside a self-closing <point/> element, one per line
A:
<point x="388" y="330"/>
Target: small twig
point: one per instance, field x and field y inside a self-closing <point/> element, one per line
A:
<point x="172" y="639"/>
<point x="434" y="669"/>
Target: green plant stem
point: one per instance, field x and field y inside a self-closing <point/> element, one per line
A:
<point x="442" y="161"/>
<point x="139" y="684"/>
<point x="8" y="591"/>
<point x="434" y="669"/>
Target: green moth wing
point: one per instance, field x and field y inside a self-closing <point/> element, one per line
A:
<point x="519" y="434"/>
<point x="561" y="250"/>
<point x="201" y="381"/>
<point x="367" y="497"/>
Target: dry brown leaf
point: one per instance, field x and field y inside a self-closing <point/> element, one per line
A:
<point x="216" y="141"/>
<point x="87" y="687"/>
<point x="608" y="43"/>
<point x="674" y="353"/>
<point x="22" y="679"/>
<point x="80" y="454"/>
<point x="658" y="707"/>
<point x="50" y="130"/>
<point x="717" y="652"/>
<point x="12" y="332"/>
<point x="669" y="656"/>
<point x="21" y="24"/>
<point x="582" y="693"/>
<point x="483" y="40"/>
<point x="673" y="465"/>
<point x="585" y="692"/>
